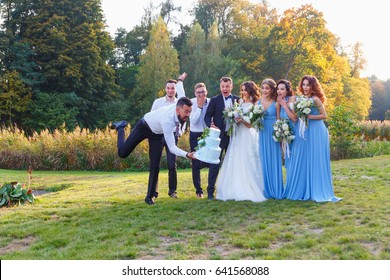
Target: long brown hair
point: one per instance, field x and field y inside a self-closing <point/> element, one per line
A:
<point x="252" y="89"/>
<point x="316" y="88"/>
<point x="288" y="86"/>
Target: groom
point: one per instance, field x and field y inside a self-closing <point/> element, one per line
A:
<point x="214" y="118"/>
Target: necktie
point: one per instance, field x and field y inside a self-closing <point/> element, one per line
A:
<point x="226" y="98"/>
<point x="177" y="129"/>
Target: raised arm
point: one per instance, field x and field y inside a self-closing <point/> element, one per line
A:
<point x="179" y="86"/>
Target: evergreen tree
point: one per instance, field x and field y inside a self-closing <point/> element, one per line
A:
<point x="70" y="49"/>
<point x="14" y="96"/>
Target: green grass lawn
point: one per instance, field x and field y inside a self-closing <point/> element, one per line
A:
<point x="102" y="215"/>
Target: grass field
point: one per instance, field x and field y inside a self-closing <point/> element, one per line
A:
<point x="102" y="215"/>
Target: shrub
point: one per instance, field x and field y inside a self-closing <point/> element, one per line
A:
<point x="15" y="194"/>
<point x="342" y="130"/>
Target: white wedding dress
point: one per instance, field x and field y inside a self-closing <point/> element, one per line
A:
<point x="241" y="177"/>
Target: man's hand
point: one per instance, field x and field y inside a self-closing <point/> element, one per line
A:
<point x="200" y="100"/>
<point x="191" y="155"/>
<point x="213" y="125"/>
<point x="182" y="77"/>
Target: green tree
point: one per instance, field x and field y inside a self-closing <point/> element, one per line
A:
<point x="203" y="60"/>
<point x="158" y="63"/>
<point x="71" y="49"/>
<point x="52" y="110"/>
<point x="14" y="95"/>
<point x="380" y="98"/>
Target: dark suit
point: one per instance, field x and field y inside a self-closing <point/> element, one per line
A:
<point x="215" y="114"/>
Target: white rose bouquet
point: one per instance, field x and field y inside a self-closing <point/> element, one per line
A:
<point x="283" y="133"/>
<point x="302" y="107"/>
<point x="257" y="116"/>
<point x="230" y="113"/>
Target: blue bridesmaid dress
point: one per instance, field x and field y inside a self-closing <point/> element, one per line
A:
<point x="284" y="115"/>
<point x="309" y="176"/>
<point x="271" y="157"/>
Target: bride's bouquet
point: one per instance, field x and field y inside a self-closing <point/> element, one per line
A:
<point x="302" y="107"/>
<point x="257" y="116"/>
<point x="283" y="133"/>
<point x="230" y="113"/>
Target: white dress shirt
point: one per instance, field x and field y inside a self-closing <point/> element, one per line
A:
<point x="197" y="123"/>
<point x="164" y="120"/>
<point x="162" y="102"/>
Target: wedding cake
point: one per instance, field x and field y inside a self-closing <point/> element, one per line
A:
<point x="208" y="149"/>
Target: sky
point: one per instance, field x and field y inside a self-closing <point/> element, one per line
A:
<point x="353" y="21"/>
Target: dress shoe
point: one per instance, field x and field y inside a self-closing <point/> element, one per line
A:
<point x="199" y="195"/>
<point x="155" y="194"/>
<point x="119" y="124"/>
<point x="149" y="200"/>
<point x="173" y="195"/>
<point x="210" y="197"/>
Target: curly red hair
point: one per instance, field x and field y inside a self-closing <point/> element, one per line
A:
<point x="316" y="88"/>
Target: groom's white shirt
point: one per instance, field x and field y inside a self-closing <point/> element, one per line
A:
<point x="164" y="120"/>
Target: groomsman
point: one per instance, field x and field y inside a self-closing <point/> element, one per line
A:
<point x="169" y="99"/>
<point x="199" y="108"/>
<point x="155" y="126"/>
<point x="214" y="118"/>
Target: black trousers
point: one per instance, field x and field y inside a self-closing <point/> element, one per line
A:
<point x="214" y="168"/>
<point x="197" y="165"/>
<point x="172" y="167"/>
<point x="140" y="132"/>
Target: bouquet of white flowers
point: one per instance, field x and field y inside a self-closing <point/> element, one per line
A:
<point x="302" y="108"/>
<point x="257" y="116"/>
<point x="230" y="113"/>
<point x="283" y="133"/>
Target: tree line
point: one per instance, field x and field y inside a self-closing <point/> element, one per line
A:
<point x="59" y="65"/>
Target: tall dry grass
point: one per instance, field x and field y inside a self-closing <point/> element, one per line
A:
<point x="80" y="149"/>
<point x="373" y="130"/>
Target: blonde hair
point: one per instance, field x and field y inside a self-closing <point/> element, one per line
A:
<point x="199" y="85"/>
<point x="272" y="85"/>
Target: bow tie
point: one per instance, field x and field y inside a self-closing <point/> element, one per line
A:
<point x="226" y="98"/>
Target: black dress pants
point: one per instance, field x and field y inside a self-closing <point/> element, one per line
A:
<point x="197" y="165"/>
<point x="172" y="167"/>
<point x="214" y="168"/>
<point x="140" y="132"/>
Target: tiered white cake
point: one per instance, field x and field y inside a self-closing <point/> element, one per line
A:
<point x="208" y="149"/>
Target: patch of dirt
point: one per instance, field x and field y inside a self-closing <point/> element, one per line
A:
<point x="372" y="248"/>
<point x="317" y="231"/>
<point x="340" y="177"/>
<point x="40" y="192"/>
<point x="367" y="177"/>
<point x="213" y="244"/>
<point x="18" y="245"/>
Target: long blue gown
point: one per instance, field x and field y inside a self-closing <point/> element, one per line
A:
<point x="309" y="176"/>
<point x="271" y="157"/>
<point x="294" y="125"/>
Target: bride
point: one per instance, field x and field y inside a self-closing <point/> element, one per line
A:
<point x="241" y="175"/>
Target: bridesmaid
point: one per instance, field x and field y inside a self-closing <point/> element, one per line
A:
<point x="309" y="173"/>
<point x="270" y="151"/>
<point x="285" y="98"/>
